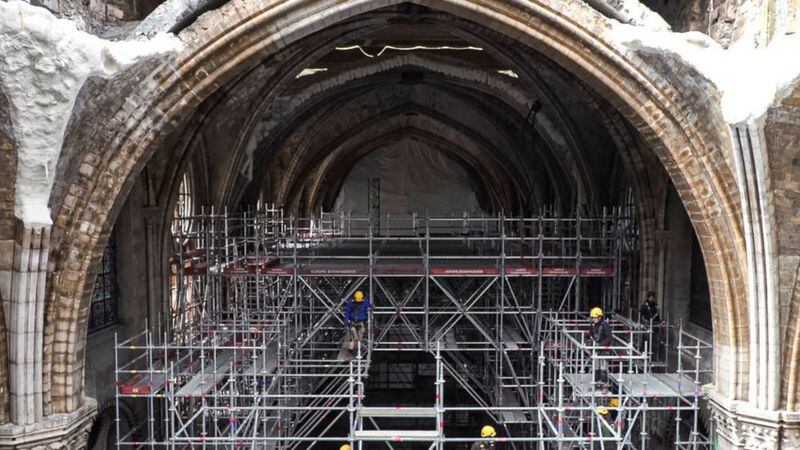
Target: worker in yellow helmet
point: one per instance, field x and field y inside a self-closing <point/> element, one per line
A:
<point x="601" y="337"/>
<point x="605" y="425"/>
<point x="487" y="442"/>
<point x="356" y="315"/>
<point x="345" y="447"/>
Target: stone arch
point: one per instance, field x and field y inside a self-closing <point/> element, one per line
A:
<point x="246" y="32"/>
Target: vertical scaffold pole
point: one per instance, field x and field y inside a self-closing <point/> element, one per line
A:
<point x="500" y="308"/>
<point x="643" y="405"/>
<point x="439" y="397"/>
<point x="359" y="390"/>
<point x="680" y="378"/>
<point x="351" y="409"/>
<point x="578" y="261"/>
<point x="560" y="420"/>
<point x="540" y="407"/>
<point x="427" y="264"/>
<point x="116" y="389"/>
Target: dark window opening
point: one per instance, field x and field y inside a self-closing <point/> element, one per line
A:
<point x="104" y="299"/>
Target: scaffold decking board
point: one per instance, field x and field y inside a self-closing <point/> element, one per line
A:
<point x="581" y="384"/>
<point x="658" y="385"/>
<point x="680" y="383"/>
<point x="202" y="382"/>
<point x="510" y="400"/>
<point x="144" y="383"/>
<point x="265" y="363"/>
<point x="511" y="338"/>
<point x="397" y="411"/>
<point x="396" y="435"/>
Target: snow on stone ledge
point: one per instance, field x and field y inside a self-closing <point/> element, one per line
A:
<point x="750" y="80"/>
<point x="44" y="62"/>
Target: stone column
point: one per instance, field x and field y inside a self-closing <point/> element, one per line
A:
<point x="23" y="307"/>
<point x="25" y="323"/>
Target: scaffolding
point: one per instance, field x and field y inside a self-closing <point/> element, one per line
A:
<point x="252" y="354"/>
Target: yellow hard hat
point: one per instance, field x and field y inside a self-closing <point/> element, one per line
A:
<point x="488" y="431"/>
<point x="345" y="447"/>
<point x="359" y="296"/>
<point x="602" y="410"/>
<point x="614" y="403"/>
<point x="596" y="312"/>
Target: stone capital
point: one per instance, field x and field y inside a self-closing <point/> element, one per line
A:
<point x="738" y="425"/>
<point x="55" y="432"/>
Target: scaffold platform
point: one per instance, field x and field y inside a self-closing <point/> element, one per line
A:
<point x="251" y="356"/>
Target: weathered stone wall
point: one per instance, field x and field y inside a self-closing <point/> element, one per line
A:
<point x="8" y="165"/>
<point x="8" y="161"/>
<point x="783" y="138"/>
<point x="132" y="301"/>
<point x="689" y="15"/>
<point x="729" y="21"/>
<point x="782" y="134"/>
<point x="97" y="14"/>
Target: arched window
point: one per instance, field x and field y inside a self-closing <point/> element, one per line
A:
<point x="184" y="295"/>
<point x="104" y="298"/>
<point x="184" y="208"/>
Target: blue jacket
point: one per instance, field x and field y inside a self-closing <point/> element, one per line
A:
<point x="356" y="311"/>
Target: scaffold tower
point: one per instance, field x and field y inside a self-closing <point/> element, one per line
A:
<point x="252" y="353"/>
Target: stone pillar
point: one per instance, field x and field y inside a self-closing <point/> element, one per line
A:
<point x="23" y="307"/>
<point x="739" y="426"/>
<point x="25" y="323"/>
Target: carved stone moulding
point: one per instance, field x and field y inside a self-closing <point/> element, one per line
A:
<point x="55" y="432"/>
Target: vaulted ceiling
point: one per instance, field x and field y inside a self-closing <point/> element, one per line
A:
<point x="291" y="129"/>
